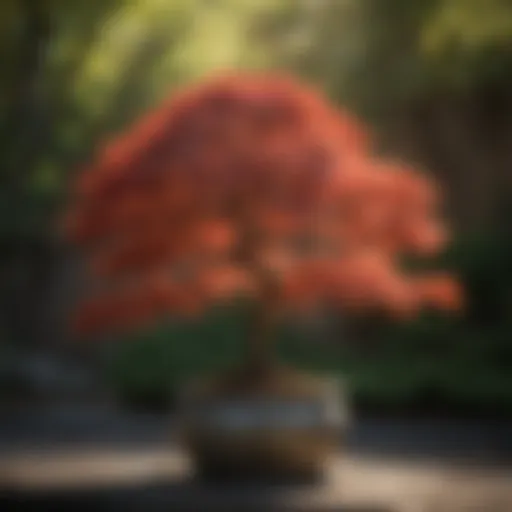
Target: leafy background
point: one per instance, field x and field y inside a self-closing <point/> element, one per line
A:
<point x="432" y="78"/>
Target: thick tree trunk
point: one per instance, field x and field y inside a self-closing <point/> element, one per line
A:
<point x="265" y="320"/>
<point x="260" y="355"/>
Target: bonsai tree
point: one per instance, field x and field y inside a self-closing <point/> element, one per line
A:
<point x="254" y="186"/>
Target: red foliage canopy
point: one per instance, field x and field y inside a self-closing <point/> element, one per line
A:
<point x="247" y="174"/>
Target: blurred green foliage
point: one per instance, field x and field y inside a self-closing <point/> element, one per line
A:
<point x="151" y="366"/>
<point x="433" y="77"/>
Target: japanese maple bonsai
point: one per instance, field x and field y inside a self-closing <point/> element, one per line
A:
<point x="254" y="186"/>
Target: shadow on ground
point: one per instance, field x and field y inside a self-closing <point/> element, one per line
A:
<point x="165" y="496"/>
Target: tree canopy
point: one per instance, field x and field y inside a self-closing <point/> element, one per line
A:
<point x="241" y="178"/>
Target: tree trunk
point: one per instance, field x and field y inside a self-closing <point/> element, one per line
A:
<point x="264" y="322"/>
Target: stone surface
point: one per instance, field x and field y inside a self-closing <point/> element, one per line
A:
<point x="156" y="479"/>
<point x="99" y="458"/>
